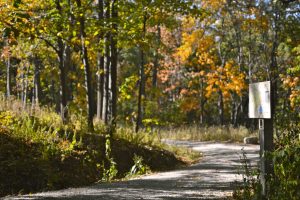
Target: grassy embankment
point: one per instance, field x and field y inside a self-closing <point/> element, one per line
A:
<point x="38" y="152"/>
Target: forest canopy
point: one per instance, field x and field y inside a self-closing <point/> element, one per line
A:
<point x="148" y="63"/>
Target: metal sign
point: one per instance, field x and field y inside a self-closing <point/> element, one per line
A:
<point x="259" y="100"/>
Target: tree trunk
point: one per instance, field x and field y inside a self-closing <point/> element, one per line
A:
<point x="63" y="71"/>
<point x="114" y="63"/>
<point x="107" y="80"/>
<point x="141" y="95"/>
<point x="22" y="76"/>
<point x="221" y="108"/>
<point x="37" y="81"/>
<point x="63" y="82"/>
<point x="156" y="59"/>
<point x="8" y="79"/>
<point x="202" y="102"/>
<point x="100" y="66"/>
<point x="25" y="91"/>
<point x="87" y="73"/>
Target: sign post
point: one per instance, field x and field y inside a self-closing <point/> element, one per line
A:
<point x="260" y="108"/>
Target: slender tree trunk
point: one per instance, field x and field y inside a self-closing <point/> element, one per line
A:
<point x="63" y="71"/>
<point x="68" y="63"/>
<point x="105" y="106"/>
<point x="22" y="83"/>
<point x="221" y="108"/>
<point x="37" y="81"/>
<point x="202" y="102"/>
<point x="67" y="66"/>
<point x="107" y="80"/>
<point x="156" y="58"/>
<point x="114" y="63"/>
<point x="63" y="82"/>
<point x="87" y="73"/>
<point x="100" y="66"/>
<point x="8" y="79"/>
<point x="25" y="88"/>
<point x="141" y="95"/>
<point x="273" y="76"/>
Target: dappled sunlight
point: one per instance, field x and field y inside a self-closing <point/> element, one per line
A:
<point x="212" y="178"/>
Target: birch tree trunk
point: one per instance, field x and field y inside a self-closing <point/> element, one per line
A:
<point x="107" y="80"/>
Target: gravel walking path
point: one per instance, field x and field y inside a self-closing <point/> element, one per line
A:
<point x="211" y="178"/>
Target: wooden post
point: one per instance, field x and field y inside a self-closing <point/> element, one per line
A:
<point x="266" y="146"/>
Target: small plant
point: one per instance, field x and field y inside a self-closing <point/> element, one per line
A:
<point x="139" y="168"/>
<point x="250" y="188"/>
<point x="110" y="172"/>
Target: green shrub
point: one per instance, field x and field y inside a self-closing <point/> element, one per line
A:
<point x="285" y="183"/>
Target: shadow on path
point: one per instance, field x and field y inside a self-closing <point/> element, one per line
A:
<point x="212" y="178"/>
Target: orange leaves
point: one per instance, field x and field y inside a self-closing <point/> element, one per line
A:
<point x="6" y="52"/>
<point x="188" y="104"/>
<point x="226" y="79"/>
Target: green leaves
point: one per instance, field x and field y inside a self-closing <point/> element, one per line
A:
<point x="16" y="3"/>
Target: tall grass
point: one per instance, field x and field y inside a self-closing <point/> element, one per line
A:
<point x="213" y="133"/>
<point x="141" y="138"/>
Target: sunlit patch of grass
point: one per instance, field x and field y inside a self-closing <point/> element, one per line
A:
<point x="213" y="133"/>
<point x="154" y="139"/>
<point x="140" y="138"/>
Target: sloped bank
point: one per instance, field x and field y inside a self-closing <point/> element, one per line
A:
<point x="27" y="166"/>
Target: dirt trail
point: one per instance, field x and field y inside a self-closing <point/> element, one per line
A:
<point x="211" y="178"/>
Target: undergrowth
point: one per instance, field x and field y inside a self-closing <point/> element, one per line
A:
<point x="38" y="152"/>
<point x="284" y="184"/>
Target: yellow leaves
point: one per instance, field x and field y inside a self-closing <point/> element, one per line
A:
<point x="293" y="84"/>
<point x="86" y="43"/>
<point x="188" y="22"/>
<point x="183" y="53"/>
<point x="202" y="73"/>
<point x="195" y="43"/>
<point x="213" y="5"/>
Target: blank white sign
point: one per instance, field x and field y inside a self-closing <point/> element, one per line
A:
<point x="260" y="100"/>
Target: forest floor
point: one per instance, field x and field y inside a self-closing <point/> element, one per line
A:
<point x="212" y="178"/>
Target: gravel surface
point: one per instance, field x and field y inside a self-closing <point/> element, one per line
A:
<point x="212" y="178"/>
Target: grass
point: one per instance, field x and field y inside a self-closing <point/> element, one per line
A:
<point x="155" y="140"/>
<point x="38" y="152"/>
<point x="213" y="133"/>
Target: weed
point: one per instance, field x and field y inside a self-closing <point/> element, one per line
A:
<point x="139" y="168"/>
<point x="250" y="188"/>
<point x="110" y="169"/>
